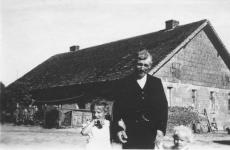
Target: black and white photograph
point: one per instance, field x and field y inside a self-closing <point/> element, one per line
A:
<point x="114" y="74"/>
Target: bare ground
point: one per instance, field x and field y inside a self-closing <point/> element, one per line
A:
<point x="37" y="138"/>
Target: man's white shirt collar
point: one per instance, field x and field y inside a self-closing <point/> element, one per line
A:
<point x="142" y="81"/>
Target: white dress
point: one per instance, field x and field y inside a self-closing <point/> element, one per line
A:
<point x="100" y="138"/>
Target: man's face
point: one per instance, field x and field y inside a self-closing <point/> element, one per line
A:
<point x="143" y="67"/>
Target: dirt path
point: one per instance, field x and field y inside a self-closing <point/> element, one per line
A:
<point x="36" y="138"/>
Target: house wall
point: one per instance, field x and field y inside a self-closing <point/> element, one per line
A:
<point x="197" y="76"/>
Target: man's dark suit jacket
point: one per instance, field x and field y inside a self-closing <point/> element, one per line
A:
<point x="144" y="111"/>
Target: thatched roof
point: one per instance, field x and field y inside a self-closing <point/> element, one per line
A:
<point x="109" y="61"/>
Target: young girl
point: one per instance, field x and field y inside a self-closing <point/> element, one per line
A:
<point x="98" y="129"/>
<point x="182" y="136"/>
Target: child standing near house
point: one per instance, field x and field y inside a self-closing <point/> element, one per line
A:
<point x="182" y="136"/>
<point x="98" y="129"/>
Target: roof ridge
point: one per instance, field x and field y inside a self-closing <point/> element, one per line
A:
<point x="128" y="38"/>
<point x="203" y="20"/>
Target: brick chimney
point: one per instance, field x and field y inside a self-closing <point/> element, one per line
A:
<point x="171" y="24"/>
<point x="74" y="48"/>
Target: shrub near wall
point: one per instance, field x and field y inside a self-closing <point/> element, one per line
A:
<point x="181" y="116"/>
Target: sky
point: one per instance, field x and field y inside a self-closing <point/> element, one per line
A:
<point x="34" y="30"/>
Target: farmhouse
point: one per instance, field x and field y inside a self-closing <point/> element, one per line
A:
<point x="190" y="59"/>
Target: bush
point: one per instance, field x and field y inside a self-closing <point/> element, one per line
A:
<point x="181" y="116"/>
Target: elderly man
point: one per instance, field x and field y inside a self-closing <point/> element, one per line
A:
<point x="142" y="105"/>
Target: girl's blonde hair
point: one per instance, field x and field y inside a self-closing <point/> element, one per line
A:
<point x="99" y="101"/>
<point x="182" y="132"/>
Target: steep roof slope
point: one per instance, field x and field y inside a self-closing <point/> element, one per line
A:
<point x="106" y="62"/>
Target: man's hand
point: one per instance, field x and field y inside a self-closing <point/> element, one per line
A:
<point x="159" y="138"/>
<point x="122" y="136"/>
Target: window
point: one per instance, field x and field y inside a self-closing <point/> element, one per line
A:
<point x="169" y="94"/>
<point x="212" y="99"/>
<point x="229" y="104"/>
<point x="175" y="70"/>
<point x="225" y="79"/>
<point x="194" y="98"/>
<point x="229" y="101"/>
